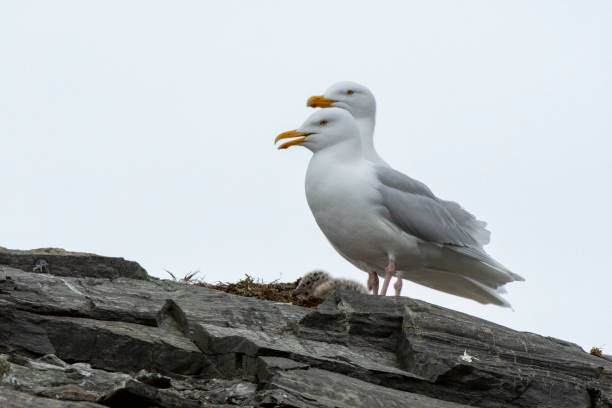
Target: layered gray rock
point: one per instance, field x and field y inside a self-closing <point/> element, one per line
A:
<point x="110" y="336"/>
<point x="57" y="261"/>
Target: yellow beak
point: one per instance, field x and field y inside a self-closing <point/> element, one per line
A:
<point x="319" y="101"/>
<point x="301" y="136"/>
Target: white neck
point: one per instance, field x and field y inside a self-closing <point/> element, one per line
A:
<point x="345" y="150"/>
<point x="366" y="130"/>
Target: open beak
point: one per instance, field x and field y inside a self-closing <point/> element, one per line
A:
<point x="301" y="136"/>
<point x="319" y="101"/>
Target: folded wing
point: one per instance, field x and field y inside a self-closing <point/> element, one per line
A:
<point x="412" y="207"/>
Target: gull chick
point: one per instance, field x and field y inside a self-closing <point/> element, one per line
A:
<point x="320" y="284"/>
<point x="381" y="220"/>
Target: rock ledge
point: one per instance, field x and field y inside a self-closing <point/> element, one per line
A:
<point x="90" y="331"/>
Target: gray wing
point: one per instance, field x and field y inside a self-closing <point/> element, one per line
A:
<point x="412" y="206"/>
<point x="472" y="225"/>
<point x="399" y="181"/>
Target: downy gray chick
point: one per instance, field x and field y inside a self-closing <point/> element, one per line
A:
<point x="320" y="284"/>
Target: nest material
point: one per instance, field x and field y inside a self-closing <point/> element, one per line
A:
<point x="275" y="291"/>
<point x="596" y="351"/>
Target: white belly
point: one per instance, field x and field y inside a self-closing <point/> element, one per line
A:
<point x="343" y="200"/>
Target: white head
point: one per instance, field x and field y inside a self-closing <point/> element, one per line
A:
<point x="355" y="98"/>
<point x="322" y="129"/>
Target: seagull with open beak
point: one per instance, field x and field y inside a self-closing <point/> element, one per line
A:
<point x="381" y="220"/>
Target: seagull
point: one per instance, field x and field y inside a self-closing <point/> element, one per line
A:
<point x="360" y="102"/>
<point x="381" y="220"/>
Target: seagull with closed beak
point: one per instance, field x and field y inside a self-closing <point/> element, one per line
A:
<point x="381" y="220"/>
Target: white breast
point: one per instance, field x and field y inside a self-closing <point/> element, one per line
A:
<point x="343" y="198"/>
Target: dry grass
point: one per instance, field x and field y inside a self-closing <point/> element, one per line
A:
<point x="275" y="291"/>
<point x="188" y="278"/>
<point x="596" y="351"/>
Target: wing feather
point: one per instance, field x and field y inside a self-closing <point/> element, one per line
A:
<point x="459" y="226"/>
<point x="414" y="208"/>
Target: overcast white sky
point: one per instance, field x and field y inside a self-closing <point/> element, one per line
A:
<point x="144" y="130"/>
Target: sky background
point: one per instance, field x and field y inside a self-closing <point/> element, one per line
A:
<point x="144" y="130"/>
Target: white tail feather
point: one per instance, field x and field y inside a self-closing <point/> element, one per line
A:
<point x="456" y="284"/>
<point x="459" y="261"/>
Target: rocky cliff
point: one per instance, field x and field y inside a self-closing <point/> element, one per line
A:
<point x="80" y="330"/>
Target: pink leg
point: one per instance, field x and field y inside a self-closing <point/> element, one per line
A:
<point x="398" y="286"/>
<point x="373" y="282"/>
<point x="389" y="272"/>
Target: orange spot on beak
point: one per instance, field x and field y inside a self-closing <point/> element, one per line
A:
<point x="319" y="101"/>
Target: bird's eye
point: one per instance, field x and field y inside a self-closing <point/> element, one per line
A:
<point x="323" y="123"/>
<point x="350" y="92"/>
